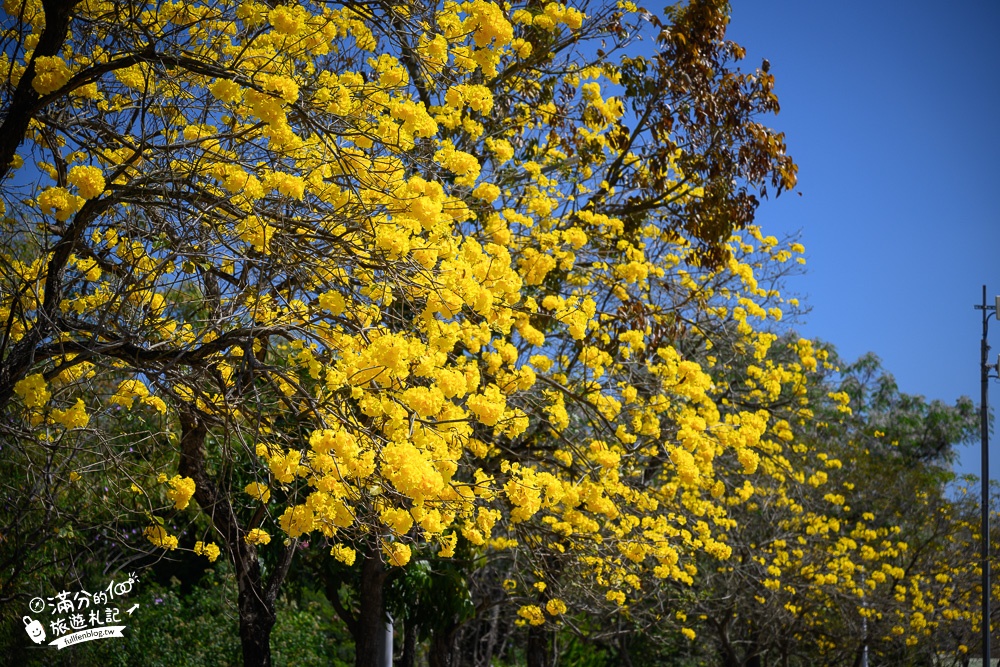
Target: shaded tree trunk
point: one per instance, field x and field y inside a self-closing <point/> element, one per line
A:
<point x="442" y="643"/>
<point x="256" y="596"/>
<point x="754" y="657"/>
<point x="409" y="657"/>
<point x="370" y="629"/>
<point x="24" y="103"/>
<point x="257" y="619"/>
<point x="623" y="655"/>
<point x="491" y="639"/>
<point x="729" y="657"/>
<point x="538" y="647"/>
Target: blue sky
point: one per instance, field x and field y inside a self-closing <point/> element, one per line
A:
<point x="891" y="111"/>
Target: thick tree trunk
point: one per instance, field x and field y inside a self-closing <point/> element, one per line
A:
<point x="729" y="657"/>
<point x="753" y="652"/>
<point x="23" y="105"/>
<point x="538" y="647"/>
<point x="623" y="655"/>
<point x="256" y="622"/>
<point x="409" y="657"/>
<point x="442" y="642"/>
<point x="370" y="629"/>
<point x="491" y="638"/>
<point x="256" y="597"/>
<point x="858" y="655"/>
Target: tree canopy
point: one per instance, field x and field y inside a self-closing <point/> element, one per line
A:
<point x="410" y="285"/>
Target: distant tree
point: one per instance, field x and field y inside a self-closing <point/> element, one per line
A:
<point x="851" y="538"/>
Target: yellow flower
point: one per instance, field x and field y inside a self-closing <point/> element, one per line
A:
<point x="426" y="402"/>
<point x="156" y="403"/>
<point x="489" y="405"/>
<point x="257" y="536"/>
<point x="555" y="607"/>
<point x="532" y="614"/>
<point x="209" y="551"/>
<point x="51" y="73"/>
<point x="256" y="232"/>
<point x="397" y="553"/>
<point x="448" y="544"/>
<point x="286" y="88"/>
<point x="158" y="536"/>
<point x="297" y="520"/>
<point x="344" y="554"/>
<point x="60" y="203"/>
<point x="182" y="488"/>
<point x="332" y="302"/>
<point x="616" y="596"/>
<point x="258" y="491"/>
<point x="285" y="467"/>
<point x="89" y="181"/>
<point x="399" y="520"/>
<point x="225" y="90"/>
<point x="286" y="184"/>
<point x="74" y="417"/>
<point x="33" y="390"/>
<point x="128" y="391"/>
<point x="487" y="192"/>
<point x="412" y="474"/>
<point x="89" y="268"/>
<point x="286" y="20"/>
<point x="488" y="24"/>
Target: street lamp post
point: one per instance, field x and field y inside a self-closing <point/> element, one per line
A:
<point x="984" y="544"/>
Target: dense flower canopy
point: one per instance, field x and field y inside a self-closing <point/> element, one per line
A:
<point x="402" y="278"/>
<point x="376" y="227"/>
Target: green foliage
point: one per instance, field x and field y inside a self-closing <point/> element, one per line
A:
<point x="308" y="634"/>
<point x="174" y="627"/>
<point x="921" y="431"/>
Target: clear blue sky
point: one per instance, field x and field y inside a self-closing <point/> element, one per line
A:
<point x="892" y="111"/>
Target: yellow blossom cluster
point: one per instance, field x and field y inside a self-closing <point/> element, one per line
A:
<point x="89" y="181"/>
<point x="159" y="537"/>
<point x="51" y="74"/>
<point x="257" y="536"/>
<point x="210" y="551"/>
<point x="181" y="490"/>
<point x="33" y="390"/>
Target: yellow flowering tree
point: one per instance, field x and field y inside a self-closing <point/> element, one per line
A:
<point x="627" y="489"/>
<point x="848" y="540"/>
<point x="386" y="277"/>
<point x="81" y="497"/>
